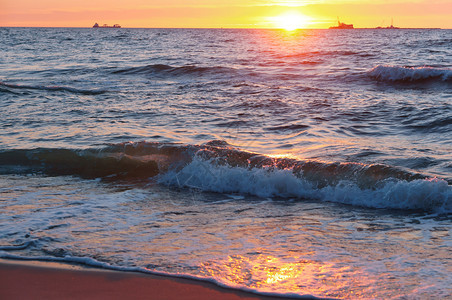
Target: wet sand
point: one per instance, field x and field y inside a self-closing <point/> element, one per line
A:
<point x="49" y="280"/>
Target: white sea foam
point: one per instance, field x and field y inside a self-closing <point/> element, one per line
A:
<point x="424" y="194"/>
<point x="395" y="73"/>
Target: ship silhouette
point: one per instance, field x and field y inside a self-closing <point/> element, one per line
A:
<point x="106" y="26"/>
<point x="341" y="25"/>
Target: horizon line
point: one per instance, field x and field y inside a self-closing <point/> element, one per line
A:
<point x="257" y="28"/>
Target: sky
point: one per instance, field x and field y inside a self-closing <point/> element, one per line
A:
<point x="226" y="13"/>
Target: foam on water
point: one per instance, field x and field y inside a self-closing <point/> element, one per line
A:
<point x="87" y="261"/>
<point x="216" y="166"/>
<point x="235" y="243"/>
<point x="234" y="240"/>
<point x="410" y="74"/>
<point x="424" y="194"/>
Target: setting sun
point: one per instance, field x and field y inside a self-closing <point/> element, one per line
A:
<point x="290" y="21"/>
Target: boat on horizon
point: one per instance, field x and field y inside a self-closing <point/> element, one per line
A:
<point x="106" y="26"/>
<point x="341" y="25"/>
<point x="388" y="27"/>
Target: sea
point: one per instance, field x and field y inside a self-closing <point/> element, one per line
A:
<point x="306" y="163"/>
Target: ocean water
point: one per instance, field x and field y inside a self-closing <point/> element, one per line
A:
<point x="311" y="162"/>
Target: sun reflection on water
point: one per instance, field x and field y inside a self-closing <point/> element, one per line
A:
<point x="270" y="274"/>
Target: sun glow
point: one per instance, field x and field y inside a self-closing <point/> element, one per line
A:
<point x="290" y="21"/>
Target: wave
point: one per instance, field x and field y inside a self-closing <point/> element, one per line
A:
<point x="166" y="70"/>
<point x="91" y="262"/>
<point x="51" y="88"/>
<point x="17" y="247"/>
<point x="409" y="74"/>
<point x="438" y="124"/>
<point x="291" y="127"/>
<point x="419" y="194"/>
<point x="88" y="163"/>
<point x="219" y="167"/>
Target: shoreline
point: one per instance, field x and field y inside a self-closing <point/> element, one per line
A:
<point x="56" y="280"/>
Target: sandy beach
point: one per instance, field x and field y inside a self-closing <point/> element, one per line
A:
<point x="51" y="280"/>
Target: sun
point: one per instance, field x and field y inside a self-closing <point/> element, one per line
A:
<point x="290" y="21"/>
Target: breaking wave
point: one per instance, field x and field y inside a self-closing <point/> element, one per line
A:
<point x="50" y="88"/>
<point x="217" y="166"/>
<point x="409" y="74"/>
<point x="422" y="194"/>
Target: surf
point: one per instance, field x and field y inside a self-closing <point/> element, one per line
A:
<point x="217" y="166"/>
<point x="388" y="73"/>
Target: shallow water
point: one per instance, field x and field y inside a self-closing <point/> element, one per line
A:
<point x="308" y="162"/>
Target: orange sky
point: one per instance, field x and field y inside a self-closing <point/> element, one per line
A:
<point x="224" y="13"/>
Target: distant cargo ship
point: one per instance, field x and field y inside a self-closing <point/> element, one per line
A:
<point x="342" y="25"/>
<point x="106" y="26"/>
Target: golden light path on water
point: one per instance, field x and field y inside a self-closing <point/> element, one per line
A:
<point x="270" y="274"/>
